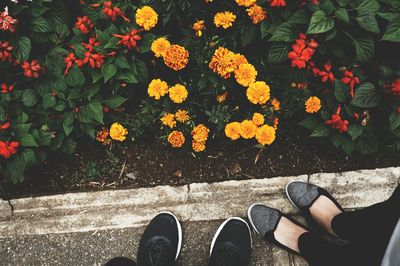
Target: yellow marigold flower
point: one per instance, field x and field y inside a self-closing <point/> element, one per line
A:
<point x="159" y="47"/>
<point x="178" y="93"/>
<point x="313" y="104"/>
<point x="146" y="17"/>
<point x="182" y="116"/>
<point x="198" y="27"/>
<point x="168" y="120"/>
<point x="102" y="136"/>
<point x="224" y="19"/>
<point x="176" y="139"/>
<point x="247" y="129"/>
<point x="245" y="3"/>
<point x="198" y="146"/>
<point x="258" y="119"/>
<point x="222" y="97"/>
<point x="176" y="57"/>
<point x="256" y="13"/>
<point x="258" y="92"/>
<point x="232" y="130"/>
<point x="240" y="59"/>
<point x="118" y="132"/>
<point x="245" y="74"/>
<point x="200" y="133"/>
<point x="276" y="104"/>
<point x="157" y="88"/>
<point x="223" y="62"/>
<point x="265" y="135"/>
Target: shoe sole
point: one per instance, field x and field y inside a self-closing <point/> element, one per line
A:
<point x="222" y="227"/>
<point x="180" y="238"/>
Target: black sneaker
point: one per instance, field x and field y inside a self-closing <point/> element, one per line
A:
<point x="231" y="245"/>
<point x="161" y="242"/>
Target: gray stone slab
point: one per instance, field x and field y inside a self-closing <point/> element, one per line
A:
<point x="5" y="210"/>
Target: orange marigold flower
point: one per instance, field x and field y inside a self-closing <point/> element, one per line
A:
<point x="176" y="57"/>
<point x="258" y="92"/>
<point x="245" y="74"/>
<point x="160" y="46"/>
<point x="198" y="27"/>
<point x="232" y="130"/>
<point x="223" y="62"/>
<point x="118" y="132"/>
<point x="7" y="149"/>
<point x="266" y="135"/>
<point x="258" y="119"/>
<point x="222" y="97"/>
<point x="200" y="133"/>
<point x="313" y="104"/>
<point x="168" y="120"/>
<point x="178" y="93"/>
<point x="248" y="129"/>
<point x="198" y="146"/>
<point x="246" y="3"/>
<point x="224" y="19"/>
<point x="176" y="139"/>
<point x="182" y="116"/>
<point x="240" y="59"/>
<point x="157" y="88"/>
<point x="256" y="13"/>
<point x="102" y="136"/>
<point x="276" y="104"/>
<point x="146" y="17"/>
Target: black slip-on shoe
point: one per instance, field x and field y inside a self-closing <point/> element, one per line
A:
<point x="231" y="245"/>
<point x="302" y="195"/>
<point x="265" y="220"/>
<point x="161" y="241"/>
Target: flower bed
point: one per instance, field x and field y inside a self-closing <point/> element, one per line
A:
<point x="196" y="73"/>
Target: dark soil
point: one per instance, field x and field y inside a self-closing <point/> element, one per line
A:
<point x="151" y="164"/>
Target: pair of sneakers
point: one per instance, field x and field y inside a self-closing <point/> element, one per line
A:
<point x="161" y="242"/>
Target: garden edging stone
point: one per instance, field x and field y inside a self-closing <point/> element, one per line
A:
<point x="113" y="209"/>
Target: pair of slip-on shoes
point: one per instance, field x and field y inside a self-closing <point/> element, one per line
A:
<point x="302" y="195"/>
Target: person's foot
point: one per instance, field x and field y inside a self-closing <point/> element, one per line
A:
<point x="231" y="244"/>
<point x="314" y="202"/>
<point x="273" y="226"/>
<point x="161" y="241"/>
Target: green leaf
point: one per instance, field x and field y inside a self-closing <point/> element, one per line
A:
<point x="364" y="48"/>
<point x="94" y="111"/>
<point x="394" y="121"/>
<point x="108" y="71"/>
<point x="115" y="101"/>
<point x="247" y="36"/>
<point x="122" y="62"/>
<point x="127" y="76"/>
<point x="68" y="123"/>
<point x="367" y="145"/>
<point x="321" y="131"/>
<point x="342" y="14"/>
<point x="366" y="96"/>
<point x="29" y="157"/>
<point x="340" y="91"/>
<point x="320" y="23"/>
<point x="310" y="123"/>
<point x="355" y="131"/>
<point x="278" y="53"/>
<point x="367" y="21"/>
<point x="29" y="98"/>
<point x="286" y="32"/>
<point x="142" y="72"/>
<point x="145" y="42"/>
<point x="22" y="49"/>
<point x="368" y="5"/>
<point x="69" y="146"/>
<point x="27" y="140"/>
<point x="40" y="24"/>
<point x="392" y="32"/>
<point x="75" y="77"/>
<point x="49" y="101"/>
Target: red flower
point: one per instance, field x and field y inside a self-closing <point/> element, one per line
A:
<point x="7" y="149"/>
<point x="94" y="60"/>
<point x="31" y="69"/>
<point x="351" y="80"/>
<point x="337" y="123"/>
<point x="106" y="109"/>
<point x="129" y="39"/>
<point x="84" y="24"/>
<point x="113" y="12"/>
<point x="5" y="126"/>
<point x="6" y="89"/>
<point x="69" y="62"/>
<point x="277" y="3"/>
<point x="302" y="51"/>
<point x="326" y="74"/>
<point x="91" y="44"/>
<point x="5" y="52"/>
<point x="7" y="22"/>
<point x="394" y="88"/>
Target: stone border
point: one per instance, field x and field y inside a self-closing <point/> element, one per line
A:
<point x="91" y="211"/>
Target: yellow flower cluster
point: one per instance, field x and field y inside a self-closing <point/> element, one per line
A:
<point x="248" y="129"/>
<point x="245" y="74"/>
<point x="313" y="104"/>
<point x="178" y="93"/>
<point x="256" y="13"/>
<point x="158" y="88"/>
<point x="146" y="17"/>
<point x="169" y="119"/>
<point x="182" y="116"/>
<point x="258" y="92"/>
<point x="200" y="136"/>
<point x="118" y="132"/>
<point x="246" y="3"/>
<point x="175" y="56"/>
<point x="224" y="19"/>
